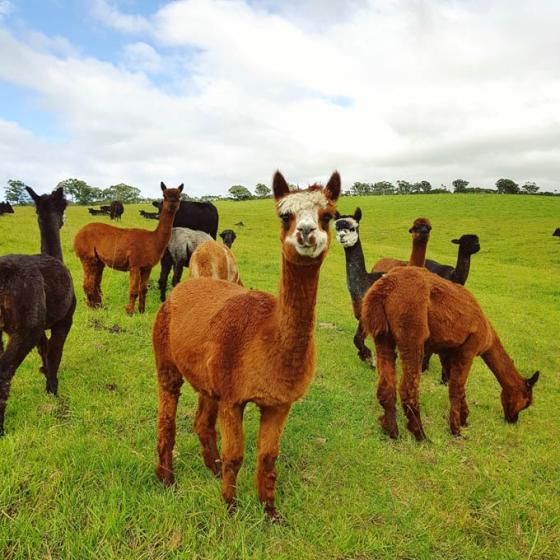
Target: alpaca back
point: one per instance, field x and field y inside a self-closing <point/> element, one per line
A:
<point x="184" y="242"/>
<point x="213" y="260"/>
<point x="386" y="264"/>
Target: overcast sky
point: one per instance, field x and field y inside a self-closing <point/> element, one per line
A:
<point x="214" y="93"/>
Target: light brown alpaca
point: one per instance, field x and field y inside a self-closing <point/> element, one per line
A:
<point x="409" y="308"/>
<point x="137" y="250"/>
<point x="420" y="236"/>
<point x="236" y="346"/>
<point x="213" y="260"/>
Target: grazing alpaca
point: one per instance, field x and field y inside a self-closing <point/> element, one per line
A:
<point x="420" y="236"/>
<point x="149" y="215"/>
<point x="137" y="250"/>
<point x="468" y="245"/>
<point x="213" y="260"/>
<point x="36" y="294"/>
<point x="182" y="245"/>
<point x="95" y="212"/>
<point x="228" y="237"/>
<point x="358" y="279"/>
<point x="410" y="308"/>
<point x="6" y="208"/>
<point x="555" y="234"/>
<point x="236" y="346"/>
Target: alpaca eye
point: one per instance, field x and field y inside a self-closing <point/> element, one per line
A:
<point x="285" y="219"/>
<point x="326" y="218"/>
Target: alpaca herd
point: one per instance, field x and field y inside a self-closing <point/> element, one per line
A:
<point x="236" y="345"/>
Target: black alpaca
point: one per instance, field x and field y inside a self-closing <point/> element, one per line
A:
<point x="149" y="215"/>
<point x="228" y="237"/>
<point x="469" y="244"/>
<point x="6" y="208"/>
<point x="358" y="279"/>
<point x="36" y="294"/>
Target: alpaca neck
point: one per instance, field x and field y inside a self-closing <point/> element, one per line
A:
<point x="461" y="272"/>
<point x="358" y="280"/>
<point x="296" y="308"/>
<point x="501" y="365"/>
<point x="50" y="236"/>
<point x="165" y="226"/>
<point x="418" y="255"/>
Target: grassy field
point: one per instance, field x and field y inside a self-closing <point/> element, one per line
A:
<point x="77" y="471"/>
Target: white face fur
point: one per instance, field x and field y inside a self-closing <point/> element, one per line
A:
<point x="307" y="237"/>
<point x="346" y="231"/>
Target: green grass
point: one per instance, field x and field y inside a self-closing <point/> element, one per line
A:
<point x="77" y="471"/>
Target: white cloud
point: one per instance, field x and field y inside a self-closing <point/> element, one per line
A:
<point x="224" y="92"/>
<point x="6" y="8"/>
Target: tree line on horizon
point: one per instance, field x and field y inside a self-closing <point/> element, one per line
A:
<point x="79" y="192"/>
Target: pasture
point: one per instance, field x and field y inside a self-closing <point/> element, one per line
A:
<point x="77" y="470"/>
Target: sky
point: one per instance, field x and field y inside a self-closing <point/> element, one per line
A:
<point x="215" y="93"/>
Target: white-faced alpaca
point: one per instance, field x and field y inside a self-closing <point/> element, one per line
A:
<point x="213" y="260"/>
<point x="410" y="309"/>
<point x="358" y="279"/>
<point x="236" y="346"/>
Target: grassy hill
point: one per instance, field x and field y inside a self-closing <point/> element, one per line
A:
<point x="77" y="471"/>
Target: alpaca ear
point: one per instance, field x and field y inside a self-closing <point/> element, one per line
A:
<point x="279" y="186"/>
<point x="358" y="214"/>
<point x="222" y="234"/>
<point x="456" y="241"/>
<point x="332" y="190"/>
<point x="533" y="379"/>
<point x="32" y="193"/>
<point x="180" y="187"/>
<point x="59" y="193"/>
<point x="163" y="187"/>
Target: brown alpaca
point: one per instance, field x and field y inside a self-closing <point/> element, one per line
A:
<point x="236" y="346"/>
<point x="137" y="250"/>
<point x="214" y="260"/>
<point x="420" y="236"/>
<point x="409" y="308"/>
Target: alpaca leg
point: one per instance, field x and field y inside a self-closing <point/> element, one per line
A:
<point x="134" y="289"/>
<point x="411" y="360"/>
<point x="205" y="427"/>
<point x="177" y="273"/>
<point x="273" y="420"/>
<point x="93" y="272"/>
<point x="387" y="383"/>
<point x="426" y="360"/>
<point x="231" y="428"/>
<point x="144" y="277"/>
<point x="19" y="345"/>
<point x="459" y="368"/>
<point x="364" y="353"/>
<point x="169" y="382"/>
<point x="166" y="264"/>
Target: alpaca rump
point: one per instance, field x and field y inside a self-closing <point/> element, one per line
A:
<point x="411" y="308"/>
<point x="136" y="250"/>
<point x="236" y="346"/>
<point x="213" y="260"/>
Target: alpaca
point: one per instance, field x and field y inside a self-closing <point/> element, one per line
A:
<point x="149" y="215"/>
<point x="468" y="245"/>
<point x="228" y="237"/>
<point x="411" y="308"/>
<point x="6" y="208"/>
<point x="358" y="279"/>
<point x="136" y="250"/>
<point x="555" y="234"/>
<point x="36" y="294"/>
<point x="213" y="260"/>
<point x="116" y="210"/>
<point x="420" y="235"/>
<point x="182" y="245"/>
<point x="95" y="212"/>
<point x="236" y="346"/>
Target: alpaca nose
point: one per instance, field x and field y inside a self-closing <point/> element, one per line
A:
<point x="304" y="233"/>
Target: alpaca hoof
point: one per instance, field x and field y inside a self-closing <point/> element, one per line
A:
<point x="273" y="516"/>
<point x="165" y="476"/>
<point x="231" y="507"/>
<point x="129" y="311"/>
<point x="2" y="433"/>
<point x="420" y="436"/>
<point x="391" y="430"/>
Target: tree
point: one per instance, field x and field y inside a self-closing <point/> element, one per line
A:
<point x="403" y="187"/>
<point x="460" y="185"/>
<point x="15" y="192"/>
<point x="530" y="187"/>
<point x="383" y="187"/>
<point x="79" y="191"/>
<point x="424" y="186"/>
<point x="507" y="186"/>
<point x="123" y="192"/>
<point x="361" y="189"/>
<point x="239" y="192"/>
<point x="262" y="191"/>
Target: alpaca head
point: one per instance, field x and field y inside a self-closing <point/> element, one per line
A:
<point x="516" y="400"/>
<point x="228" y="237"/>
<point x="347" y="228"/>
<point x="420" y="229"/>
<point x="49" y="206"/>
<point x="468" y="244"/>
<point x="305" y="216"/>
<point x="171" y="198"/>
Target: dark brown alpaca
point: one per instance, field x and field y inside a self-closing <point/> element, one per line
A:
<point x="236" y="346"/>
<point x="36" y="294"/>
<point x="136" y="250"/>
<point x="420" y="236"/>
<point x="411" y="308"/>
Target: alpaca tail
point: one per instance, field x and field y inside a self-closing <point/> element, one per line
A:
<point x="373" y="316"/>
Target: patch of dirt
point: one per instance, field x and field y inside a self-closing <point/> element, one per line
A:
<point x="111" y="386"/>
<point x="99" y="326"/>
